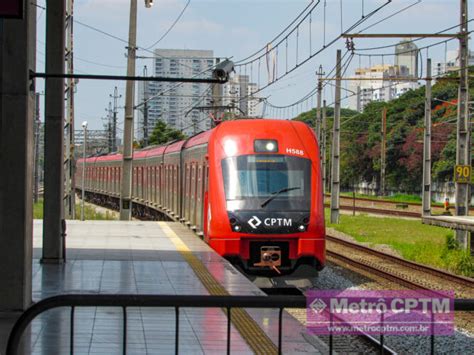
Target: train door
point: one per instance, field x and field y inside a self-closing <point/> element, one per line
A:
<point x="192" y="218"/>
<point x="187" y="201"/>
<point x="176" y="190"/>
<point x="200" y="193"/>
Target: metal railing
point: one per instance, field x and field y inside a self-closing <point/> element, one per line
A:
<point x="176" y="302"/>
<point x="158" y="301"/>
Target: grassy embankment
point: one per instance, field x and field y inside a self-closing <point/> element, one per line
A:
<point x="90" y="212"/>
<point x="424" y="244"/>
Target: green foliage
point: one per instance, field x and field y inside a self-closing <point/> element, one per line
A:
<point x="414" y="241"/>
<point x="90" y="213"/>
<point x="162" y="133"/>
<point x="309" y="117"/>
<point x="361" y="138"/>
<point x="455" y="259"/>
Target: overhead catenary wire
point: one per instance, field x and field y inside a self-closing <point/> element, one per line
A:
<point x="171" y="27"/>
<point x="311" y="55"/>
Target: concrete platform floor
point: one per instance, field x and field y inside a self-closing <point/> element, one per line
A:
<point x="140" y="257"/>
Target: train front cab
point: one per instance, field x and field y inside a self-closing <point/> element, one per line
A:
<point x="266" y="210"/>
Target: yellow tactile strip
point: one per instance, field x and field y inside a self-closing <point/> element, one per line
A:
<point x="250" y="331"/>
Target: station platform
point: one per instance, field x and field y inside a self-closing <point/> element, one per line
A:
<point x="161" y="258"/>
<point x="454" y="222"/>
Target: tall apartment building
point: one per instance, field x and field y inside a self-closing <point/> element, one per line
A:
<point x="386" y="82"/>
<point x="384" y="86"/>
<point x="406" y="55"/>
<point x="238" y="93"/>
<point x="171" y="102"/>
<point x="451" y="63"/>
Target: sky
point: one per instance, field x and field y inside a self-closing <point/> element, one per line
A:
<point x="235" y="29"/>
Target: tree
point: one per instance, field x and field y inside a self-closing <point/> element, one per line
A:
<point x="163" y="133"/>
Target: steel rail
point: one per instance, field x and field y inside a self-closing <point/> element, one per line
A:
<point x="465" y="281"/>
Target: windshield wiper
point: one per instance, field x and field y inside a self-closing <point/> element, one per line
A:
<point x="276" y="193"/>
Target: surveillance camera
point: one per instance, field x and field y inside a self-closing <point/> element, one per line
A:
<point x="223" y="70"/>
<point x="84" y="124"/>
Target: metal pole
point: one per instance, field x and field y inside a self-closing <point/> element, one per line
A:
<point x="114" y="122"/>
<point x="335" y="188"/>
<point x="216" y="100"/>
<point x="383" y="151"/>
<point x="126" y="189"/>
<point x="318" y="108"/>
<point x="323" y="147"/>
<point x="110" y="125"/>
<point x="54" y="134"/>
<point x="427" y="145"/>
<point x="37" y="138"/>
<point x="84" y="143"/>
<point x="463" y="154"/>
<point x="70" y="195"/>
<point x="145" y="110"/>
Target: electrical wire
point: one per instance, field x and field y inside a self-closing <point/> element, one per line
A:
<point x="171" y="27"/>
<point x="282" y="32"/>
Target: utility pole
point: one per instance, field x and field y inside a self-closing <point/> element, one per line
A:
<point x="463" y="149"/>
<point x="37" y="139"/>
<point x="145" y="110"/>
<point x="217" y="91"/>
<point x="427" y="145"/>
<point x="335" y="186"/>
<point x="110" y="143"/>
<point x="69" y="164"/>
<point x="383" y="151"/>
<point x="323" y="147"/>
<point x="319" y="73"/>
<point x="126" y="188"/>
<point x="116" y="96"/>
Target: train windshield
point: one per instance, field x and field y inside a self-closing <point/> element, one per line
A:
<point x="269" y="182"/>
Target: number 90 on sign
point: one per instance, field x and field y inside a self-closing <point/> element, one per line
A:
<point x="462" y="173"/>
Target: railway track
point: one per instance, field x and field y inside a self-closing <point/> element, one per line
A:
<point x="407" y="273"/>
<point x="354" y="344"/>
<point x="379" y="211"/>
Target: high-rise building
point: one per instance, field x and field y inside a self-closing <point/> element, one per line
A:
<point x="238" y="94"/>
<point x="406" y="55"/>
<point x="378" y="83"/>
<point x="172" y="102"/>
<point x="451" y="63"/>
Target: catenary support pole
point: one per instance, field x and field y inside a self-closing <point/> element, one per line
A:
<point x="383" y="151"/>
<point x="463" y="149"/>
<point x="319" y="74"/>
<point x="54" y="134"/>
<point x="427" y="145"/>
<point x="335" y="162"/>
<point x="114" y="121"/>
<point x="323" y="146"/>
<point x="17" y="102"/>
<point x="126" y="188"/>
<point x="69" y="161"/>
<point x="145" y="110"/>
<point x="37" y="147"/>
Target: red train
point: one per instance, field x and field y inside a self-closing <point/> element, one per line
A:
<point x="250" y="188"/>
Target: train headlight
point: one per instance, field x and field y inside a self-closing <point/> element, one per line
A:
<point x="237" y="228"/>
<point x="302" y="228"/>
<point x="265" y="146"/>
